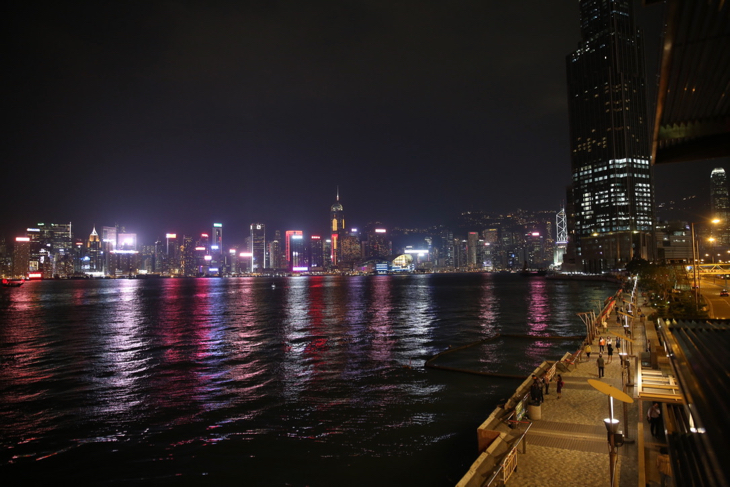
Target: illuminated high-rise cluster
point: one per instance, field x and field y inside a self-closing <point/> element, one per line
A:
<point x="491" y="243"/>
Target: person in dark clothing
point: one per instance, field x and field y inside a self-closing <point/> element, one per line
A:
<point x="654" y="416"/>
<point x="601" y="364"/>
<point x="536" y="391"/>
<point x="546" y="383"/>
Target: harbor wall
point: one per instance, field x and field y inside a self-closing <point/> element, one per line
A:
<point x="498" y="433"/>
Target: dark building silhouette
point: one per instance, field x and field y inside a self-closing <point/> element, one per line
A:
<point x="611" y="194"/>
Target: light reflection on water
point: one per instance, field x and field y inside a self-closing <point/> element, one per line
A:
<point x="291" y="383"/>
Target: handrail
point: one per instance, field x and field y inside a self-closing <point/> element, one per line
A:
<point x="501" y="464"/>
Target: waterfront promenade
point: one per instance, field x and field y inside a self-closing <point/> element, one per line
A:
<point x="568" y="445"/>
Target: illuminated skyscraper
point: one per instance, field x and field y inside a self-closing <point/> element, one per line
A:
<point x="258" y="247"/>
<point x="21" y="256"/>
<point x="377" y="245"/>
<point x="561" y="240"/>
<point x="51" y="249"/>
<point x="350" y="249"/>
<point x="217" y="237"/>
<point x="289" y="234"/>
<point x="612" y="191"/>
<point x="316" y="252"/>
<point x="187" y="262"/>
<point x="472" y="243"/>
<point x="276" y="261"/>
<point x="297" y="253"/>
<point x="171" y="255"/>
<point x="720" y="205"/>
<point x="93" y="252"/>
<point x="337" y="228"/>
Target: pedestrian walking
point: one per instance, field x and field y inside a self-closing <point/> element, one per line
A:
<point x="559" y="383"/>
<point x="587" y="349"/>
<point x="664" y="466"/>
<point x="618" y="345"/>
<point x="610" y="353"/>
<point x="601" y="344"/>
<point x="618" y="319"/>
<point x="654" y="416"/>
<point x="601" y="364"/>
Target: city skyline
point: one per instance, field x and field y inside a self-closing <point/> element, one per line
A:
<point x="503" y="242"/>
<point x="181" y="113"/>
<point x="461" y="224"/>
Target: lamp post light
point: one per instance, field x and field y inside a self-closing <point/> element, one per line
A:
<point x="695" y="284"/>
<point x="712" y="243"/>
<point x="625" y="382"/>
<point x="615" y="438"/>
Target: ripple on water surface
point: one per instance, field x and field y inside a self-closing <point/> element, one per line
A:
<point x="304" y="382"/>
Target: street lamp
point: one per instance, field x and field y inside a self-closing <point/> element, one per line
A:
<point x="712" y="241"/>
<point x="615" y="438"/>
<point x="695" y="284"/>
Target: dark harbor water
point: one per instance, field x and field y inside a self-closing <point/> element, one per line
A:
<point x="313" y="381"/>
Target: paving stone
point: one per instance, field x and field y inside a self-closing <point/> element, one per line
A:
<point x="569" y="446"/>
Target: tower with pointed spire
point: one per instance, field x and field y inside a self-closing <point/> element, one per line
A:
<point x="93" y="252"/>
<point x="337" y="228"/>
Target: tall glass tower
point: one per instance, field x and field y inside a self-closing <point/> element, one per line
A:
<point x="258" y="247"/>
<point x="611" y="194"/>
<point x="337" y="228"/>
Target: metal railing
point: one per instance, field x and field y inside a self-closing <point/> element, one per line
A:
<point x="509" y="463"/>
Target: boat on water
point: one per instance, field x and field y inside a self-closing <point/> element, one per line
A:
<point x="532" y="272"/>
<point x="13" y="282"/>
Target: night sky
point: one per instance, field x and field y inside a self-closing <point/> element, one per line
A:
<point x="167" y="116"/>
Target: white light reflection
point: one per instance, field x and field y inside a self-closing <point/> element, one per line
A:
<point x="488" y="308"/>
<point x="122" y="362"/>
<point x="416" y="313"/>
<point x="380" y="326"/>
<point x="297" y="372"/>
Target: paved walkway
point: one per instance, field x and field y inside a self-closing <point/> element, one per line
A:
<point x="569" y="446"/>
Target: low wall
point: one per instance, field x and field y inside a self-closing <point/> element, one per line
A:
<point x="497" y="435"/>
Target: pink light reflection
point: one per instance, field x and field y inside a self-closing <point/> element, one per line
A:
<point x="538" y="307"/>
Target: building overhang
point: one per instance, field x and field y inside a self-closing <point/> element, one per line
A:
<point x="692" y="120"/>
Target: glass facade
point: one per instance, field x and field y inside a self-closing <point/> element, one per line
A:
<point x="612" y="189"/>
